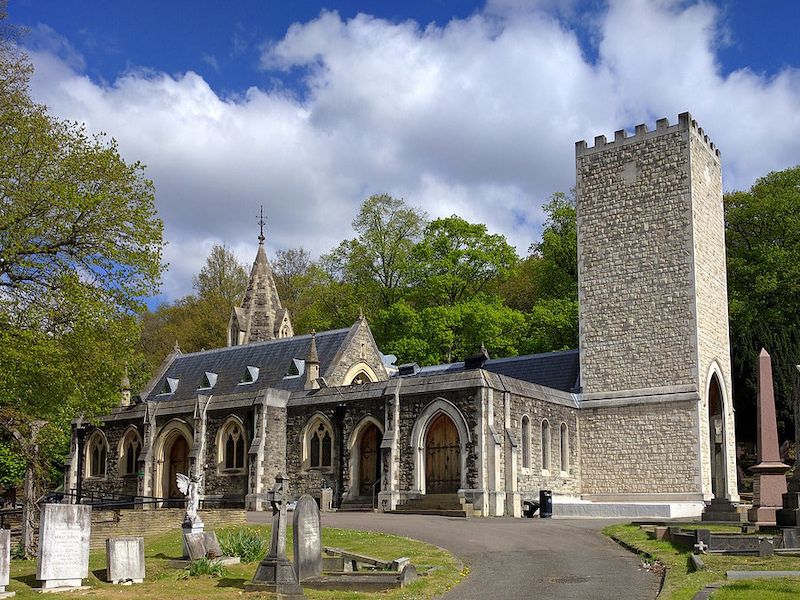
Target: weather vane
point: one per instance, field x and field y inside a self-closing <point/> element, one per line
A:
<point x="261" y="224"/>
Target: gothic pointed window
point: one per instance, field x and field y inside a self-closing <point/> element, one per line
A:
<point x="545" y="445"/>
<point x="526" y="442"/>
<point x="232" y="446"/>
<point x="130" y="448"/>
<point x="564" y="438"/>
<point x="96" y="455"/>
<point x="319" y="445"/>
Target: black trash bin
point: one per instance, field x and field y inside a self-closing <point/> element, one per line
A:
<point x="529" y="508"/>
<point x="545" y="504"/>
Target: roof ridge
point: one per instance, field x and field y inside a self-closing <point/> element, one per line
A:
<point x="259" y="344"/>
<point x="536" y="354"/>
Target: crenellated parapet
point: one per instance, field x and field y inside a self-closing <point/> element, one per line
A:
<point x="641" y="132"/>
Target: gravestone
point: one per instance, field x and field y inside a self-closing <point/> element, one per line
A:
<point x="64" y="532"/>
<point x="5" y="562"/>
<point x="307" y="539"/>
<point x="125" y="560"/>
<point x="202" y="545"/>
<point x="212" y="544"/>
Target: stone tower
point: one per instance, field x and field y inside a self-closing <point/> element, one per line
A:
<point x="654" y="345"/>
<point x="261" y="316"/>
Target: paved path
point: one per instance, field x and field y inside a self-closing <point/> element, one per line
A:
<point x="519" y="558"/>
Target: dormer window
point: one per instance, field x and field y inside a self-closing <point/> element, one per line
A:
<point x="209" y="380"/>
<point x="250" y="375"/>
<point x="169" y="387"/>
<point x="297" y="368"/>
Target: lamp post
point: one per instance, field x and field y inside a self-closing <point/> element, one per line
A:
<point x="80" y="436"/>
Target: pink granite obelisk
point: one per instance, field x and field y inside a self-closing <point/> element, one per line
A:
<point x="769" y="483"/>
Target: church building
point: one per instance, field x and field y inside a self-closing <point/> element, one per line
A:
<point x="638" y="421"/>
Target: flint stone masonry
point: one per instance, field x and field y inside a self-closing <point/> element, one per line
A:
<point x="307" y="539"/>
<point x="5" y="560"/>
<point x="64" y="532"/>
<point x="125" y="560"/>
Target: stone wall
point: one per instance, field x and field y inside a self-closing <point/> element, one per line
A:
<point x="640" y="449"/>
<point x="220" y="482"/>
<point x="114" y="483"/>
<point x="637" y="319"/>
<point x="359" y="347"/>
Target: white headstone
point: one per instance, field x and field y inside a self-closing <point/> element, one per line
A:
<point x="64" y="532"/>
<point x="307" y="539"/>
<point x="5" y="560"/>
<point x="125" y="560"/>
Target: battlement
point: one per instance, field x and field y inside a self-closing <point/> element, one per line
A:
<point x="621" y="137"/>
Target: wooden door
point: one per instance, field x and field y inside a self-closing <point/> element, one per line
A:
<point x="442" y="457"/>
<point x="369" y="462"/>
<point x="178" y="463"/>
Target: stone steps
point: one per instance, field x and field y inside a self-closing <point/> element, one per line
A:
<point x="449" y="505"/>
<point x="357" y="504"/>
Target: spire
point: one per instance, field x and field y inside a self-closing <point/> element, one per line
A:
<point x="261" y="316"/>
<point x="312" y="364"/>
<point x="312" y="349"/>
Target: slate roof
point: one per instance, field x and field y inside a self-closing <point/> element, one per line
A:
<point x="273" y="358"/>
<point x="557" y="370"/>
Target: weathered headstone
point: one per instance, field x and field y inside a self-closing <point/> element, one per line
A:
<point x="64" y="532"/>
<point x="125" y="560"/>
<point x="307" y="539"/>
<point x="195" y="544"/>
<point x="5" y="562"/>
<point x="769" y="484"/>
<point x="275" y="573"/>
<point x="212" y="544"/>
<point x="326" y="499"/>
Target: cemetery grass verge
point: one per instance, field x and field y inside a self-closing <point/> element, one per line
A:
<point x="681" y="584"/>
<point x="162" y="581"/>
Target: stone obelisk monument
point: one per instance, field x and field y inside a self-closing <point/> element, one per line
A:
<point x="769" y="483"/>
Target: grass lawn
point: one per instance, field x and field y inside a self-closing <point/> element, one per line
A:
<point x="680" y="584"/>
<point x="164" y="582"/>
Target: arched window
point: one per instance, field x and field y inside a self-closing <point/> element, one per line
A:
<point x="360" y="378"/>
<point x="564" y="448"/>
<point x="96" y="455"/>
<point x="130" y="447"/>
<point x="545" y="445"/>
<point x="231" y="446"/>
<point x="319" y="444"/>
<point x="526" y="442"/>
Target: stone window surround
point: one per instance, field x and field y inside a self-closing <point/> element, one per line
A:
<point x="231" y="421"/>
<point x="312" y="425"/>
<point x="96" y="437"/>
<point x="123" y="457"/>
<point x="563" y="446"/>
<point x="357" y="369"/>
<point x="546" y="454"/>
<point x="525" y="442"/>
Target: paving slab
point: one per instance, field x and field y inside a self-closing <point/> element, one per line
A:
<point x="519" y="558"/>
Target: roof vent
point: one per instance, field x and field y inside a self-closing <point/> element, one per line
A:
<point x="408" y="369"/>
<point x="297" y="368"/>
<point x="250" y="375"/>
<point x="169" y="387"/>
<point x="209" y="380"/>
<point x="476" y="361"/>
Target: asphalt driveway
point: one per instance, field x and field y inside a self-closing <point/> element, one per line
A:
<point x="562" y="559"/>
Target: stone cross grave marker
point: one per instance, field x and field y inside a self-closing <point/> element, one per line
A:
<point x="125" y="560"/>
<point x="5" y="562"/>
<point x="307" y="539"/>
<point x="64" y="532"/>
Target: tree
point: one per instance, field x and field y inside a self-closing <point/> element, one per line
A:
<point x="456" y="259"/>
<point x="762" y="228"/>
<point x="291" y="269"/>
<point x="557" y="251"/>
<point x="80" y="249"/>
<point x="223" y="277"/>
<point x="377" y="262"/>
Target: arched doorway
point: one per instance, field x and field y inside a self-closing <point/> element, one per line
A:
<point x="177" y="462"/>
<point x="369" y="463"/>
<point x="442" y="456"/>
<point x="716" y="429"/>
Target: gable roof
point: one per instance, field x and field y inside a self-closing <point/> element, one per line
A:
<point x="273" y="358"/>
<point x="557" y="370"/>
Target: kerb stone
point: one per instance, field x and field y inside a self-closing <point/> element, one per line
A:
<point x="125" y="560"/>
<point x="307" y="539"/>
<point x="64" y="533"/>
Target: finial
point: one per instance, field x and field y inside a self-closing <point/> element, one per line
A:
<point x="125" y="384"/>
<point x="361" y="313"/>
<point x="261" y="224"/>
<point x="176" y="347"/>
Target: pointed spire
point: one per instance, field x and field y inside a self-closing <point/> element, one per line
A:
<point x="176" y="347"/>
<point x="312" y="349"/>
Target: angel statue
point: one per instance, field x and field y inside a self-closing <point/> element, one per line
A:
<point x="190" y="487"/>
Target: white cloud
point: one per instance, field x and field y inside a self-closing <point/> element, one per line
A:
<point x="476" y="117"/>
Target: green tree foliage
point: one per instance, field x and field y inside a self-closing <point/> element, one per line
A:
<point x="80" y="249"/>
<point x="763" y="243"/>
<point x="377" y="262"/>
<point x="456" y="259"/>
<point x="556" y="271"/>
<point x="197" y="321"/>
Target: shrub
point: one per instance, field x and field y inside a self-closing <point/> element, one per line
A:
<point x="244" y="543"/>
<point x="203" y="566"/>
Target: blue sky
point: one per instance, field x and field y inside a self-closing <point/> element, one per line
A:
<point x="459" y="107"/>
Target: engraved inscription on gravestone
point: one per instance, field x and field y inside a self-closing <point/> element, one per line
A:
<point x="307" y="539"/>
<point x="5" y="562"/>
<point x="64" y="532"/>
